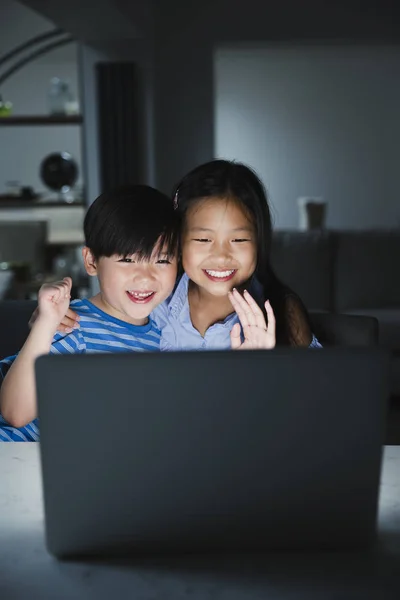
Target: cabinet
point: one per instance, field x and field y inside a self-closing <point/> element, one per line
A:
<point x="64" y="221"/>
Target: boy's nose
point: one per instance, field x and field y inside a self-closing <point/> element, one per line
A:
<point x="143" y="273"/>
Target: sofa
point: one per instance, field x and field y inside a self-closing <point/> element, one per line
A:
<point x="14" y="328"/>
<point x="346" y="272"/>
<point x="334" y="272"/>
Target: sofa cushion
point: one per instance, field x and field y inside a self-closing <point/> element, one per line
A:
<point x="395" y="375"/>
<point x="389" y="337"/>
<point x="389" y="325"/>
<point x="303" y="260"/>
<point x="366" y="270"/>
<point x="14" y="318"/>
<point x="345" y="330"/>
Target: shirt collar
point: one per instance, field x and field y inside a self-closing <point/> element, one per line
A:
<point x="179" y="299"/>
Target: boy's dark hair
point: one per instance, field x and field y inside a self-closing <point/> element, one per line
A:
<point x="130" y="220"/>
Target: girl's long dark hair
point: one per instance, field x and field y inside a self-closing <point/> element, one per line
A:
<point x="229" y="179"/>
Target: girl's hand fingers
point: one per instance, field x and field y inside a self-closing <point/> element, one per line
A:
<point x="242" y="309"/>
<point x="236" y="342"/>
<point x="257" y="312"/>
<point x="72" y="316"/>
<point x="271" y="322"/>
<point x="238" y="309"/>
<point x="63" y="329"/>
<point x="68" y="323"/>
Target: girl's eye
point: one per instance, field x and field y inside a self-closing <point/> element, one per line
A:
<point x="126" y="259"/>
<point x="202" y="240"/>
<point x="241" y="240"/>
<point x="163" y="261"/>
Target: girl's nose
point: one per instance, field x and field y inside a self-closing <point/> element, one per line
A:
<point x="221" y="251"/>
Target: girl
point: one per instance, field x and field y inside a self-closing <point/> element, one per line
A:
<point x="225" y="244"/>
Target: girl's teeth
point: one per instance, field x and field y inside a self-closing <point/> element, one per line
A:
<point x="221" y="274"/>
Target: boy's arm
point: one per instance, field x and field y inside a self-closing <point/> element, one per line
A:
<point x="18" y="390"/>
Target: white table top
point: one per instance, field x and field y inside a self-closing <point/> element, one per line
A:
<point x="28" y="571"/>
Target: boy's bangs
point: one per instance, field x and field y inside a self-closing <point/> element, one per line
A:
<point x="144" y="247"/>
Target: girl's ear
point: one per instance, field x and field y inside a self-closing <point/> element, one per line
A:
<point x="89" y="261"/>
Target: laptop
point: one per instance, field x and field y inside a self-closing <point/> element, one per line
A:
<point x="211" y="451"/>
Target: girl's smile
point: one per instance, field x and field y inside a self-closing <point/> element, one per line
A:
<point x="218" y="246"/>
<point x="220" y="276"/>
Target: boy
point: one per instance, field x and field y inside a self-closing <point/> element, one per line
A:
<point x="131" y="238"/>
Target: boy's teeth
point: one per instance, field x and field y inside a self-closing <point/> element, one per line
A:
<point x="221" y="274"/>
<point x="141" y="294"/>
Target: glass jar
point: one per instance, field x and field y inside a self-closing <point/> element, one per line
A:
<point x="59" y="96"/>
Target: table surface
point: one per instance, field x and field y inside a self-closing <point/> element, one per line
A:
<point x="27" y="570"/>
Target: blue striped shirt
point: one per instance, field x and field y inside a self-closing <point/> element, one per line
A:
<point x="98" y="333"/>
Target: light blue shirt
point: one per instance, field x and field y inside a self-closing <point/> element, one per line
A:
<point x="178" y="333"/>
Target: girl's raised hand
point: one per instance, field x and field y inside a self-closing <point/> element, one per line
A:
<point x="257" y="334"/>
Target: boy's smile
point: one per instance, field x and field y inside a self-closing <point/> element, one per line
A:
<point x="140" y="297"/>
<point x="130" y="288"/>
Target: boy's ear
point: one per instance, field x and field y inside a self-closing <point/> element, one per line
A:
<point x="89" y="261"/>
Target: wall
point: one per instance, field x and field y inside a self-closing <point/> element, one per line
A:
<point x="122" y="30"/>
<point x="24" y="147"/>
<point x="315" y="120"/>
<point x="187" y="35"/>
<point x="139" y="52"/>
<point x="178" y="67"/>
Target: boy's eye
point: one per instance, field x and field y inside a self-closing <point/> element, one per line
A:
<point x="126" y="259"/>
<point x="241" y="240"/>
<point x="202" y="240"/>
<point x="163" y="261"/>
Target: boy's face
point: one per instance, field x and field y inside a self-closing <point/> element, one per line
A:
<point x="129" y="288"/>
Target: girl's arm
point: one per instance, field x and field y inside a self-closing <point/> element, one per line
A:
<point x="18" y="390"/>
<point x="297" y="322"/>
<point x="68" y="323"/>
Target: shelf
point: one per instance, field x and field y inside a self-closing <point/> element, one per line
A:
<point x="41" y="120"/>
<point x="7" y="202"/>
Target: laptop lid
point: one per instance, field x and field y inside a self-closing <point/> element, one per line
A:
<point x="211" y="451"/>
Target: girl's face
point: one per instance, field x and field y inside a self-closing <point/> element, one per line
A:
<point x="218" y="245"/>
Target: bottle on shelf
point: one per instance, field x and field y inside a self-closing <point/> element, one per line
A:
<point x="60" y="98"/>
<point x="5" y="107"/>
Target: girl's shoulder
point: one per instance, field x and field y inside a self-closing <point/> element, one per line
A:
<point x="161" y="313"/>
<point x="298" y="324"/>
